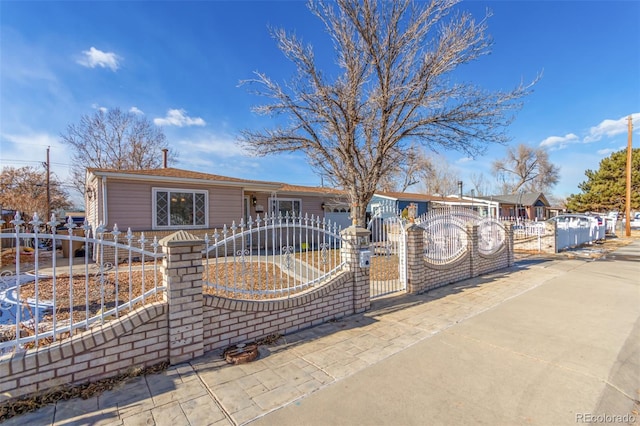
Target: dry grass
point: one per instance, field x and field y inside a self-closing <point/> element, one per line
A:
<point x="8" y="257"/>
<point x="250" y="282"/>
<point x="33" y="402"/>
<point x="323" y="261"/>
<point x="385" y="268"/>
<point x="82" y="297"/>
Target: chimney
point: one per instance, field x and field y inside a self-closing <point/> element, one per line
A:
<point x="164" y="158"/>
<point x="460" y="189"/>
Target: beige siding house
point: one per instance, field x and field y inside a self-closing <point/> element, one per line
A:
<point x="161" y="201"/>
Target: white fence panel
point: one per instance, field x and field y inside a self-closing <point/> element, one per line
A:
<point x="271" y="257"/>
<point x="573" y="236"/>
<point x="43" y="301"/>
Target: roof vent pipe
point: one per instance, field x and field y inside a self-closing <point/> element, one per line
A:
<point x="164" y="158"/>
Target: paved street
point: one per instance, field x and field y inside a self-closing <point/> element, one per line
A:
<point x="543" y="343"/>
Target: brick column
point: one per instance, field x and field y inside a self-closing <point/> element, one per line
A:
<point x="472" y="236"/>
<point x="355" y="240"/>
<point x="416" y="270"/>
<point x="182" y="275"/>
<point x="509" y="241"/>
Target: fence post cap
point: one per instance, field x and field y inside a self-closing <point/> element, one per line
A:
<point x="180" y="238"/>
<point x="412" y="227"/>
<point x="354" y="230"/>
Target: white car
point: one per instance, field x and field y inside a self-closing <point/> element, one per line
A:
<point x="565" y="221"/>
<point x="635" y="220"/>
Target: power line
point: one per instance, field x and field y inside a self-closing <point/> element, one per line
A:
<point x="11" y="160"/>
<point x="7" y="160"/>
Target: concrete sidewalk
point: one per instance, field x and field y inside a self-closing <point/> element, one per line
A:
<point x="545" y="342"/>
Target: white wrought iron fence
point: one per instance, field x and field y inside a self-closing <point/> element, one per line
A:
<point x="44" y="298"/>
<point x="491" y="236"/>
<point x="525" y="229"/>
<point x="389" y="247"/>
<point x="445" y="238"/>
<point x="446" y="233"/>
<point x="271" y="257"/>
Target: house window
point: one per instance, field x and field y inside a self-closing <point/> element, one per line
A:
<point x="284" y="206"/>
<point x="179" y="208"/>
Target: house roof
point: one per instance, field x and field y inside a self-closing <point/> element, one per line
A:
<point x="181" y="175"/>
<point x="526" y="199"/>
<point x="171" y="173"/>
<point x="408" y="196"/>
<point x="312" y="190"/>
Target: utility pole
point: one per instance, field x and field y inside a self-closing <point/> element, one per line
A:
<point x="46" y="218"/>
<point x="628" y="201"/>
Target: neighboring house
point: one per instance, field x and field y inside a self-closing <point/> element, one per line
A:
<point x="531" y="206"/>
<point x="485" y="208"/>
<point x="556" y="210"/>
<point x="379" y="204"/>
<point x="7" y="216"/>
<point x="170" y="199"/>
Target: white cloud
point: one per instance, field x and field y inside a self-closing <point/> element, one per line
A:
<point x="38" y="139"/>
<point x="559" y="142"/>
<point x="464" y="160"/>
<point x="136" y="110"/>
<point x="178" y="117"/>
<point x="605" y="151"/>
<point x="98" y="107"/>
<point x="608" y="151"/>
<point x="97" y="58"/>
<point x="30" y="149"/>
<point x="611" y="128"/>
<point x="216" y="145"/>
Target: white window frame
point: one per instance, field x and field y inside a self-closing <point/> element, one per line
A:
<point x="274" y="205"/>
<point x="154" y="206"/>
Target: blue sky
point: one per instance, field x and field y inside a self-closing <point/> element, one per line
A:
<point x="179" y="63"/>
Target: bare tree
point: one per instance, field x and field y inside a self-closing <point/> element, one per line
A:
<point x="391" y="92"/>
<point x="433" y="173"/>
<point x="441" y="178"/>
<point x="24" y="189"/>
<point x="414" y="168"/>
<point x="480" y="184"/>
<point x="115" y="140"/>
<point x="526" y="168"/>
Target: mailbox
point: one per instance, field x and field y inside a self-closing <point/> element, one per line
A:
<point x="365" y="259"/>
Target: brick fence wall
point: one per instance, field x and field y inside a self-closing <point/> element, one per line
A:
<point x="185" y="325"/>
<point x="139" y="339"/>
<point x="423" y="275"/>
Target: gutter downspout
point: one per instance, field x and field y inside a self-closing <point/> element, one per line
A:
<point x="105" y="218"/>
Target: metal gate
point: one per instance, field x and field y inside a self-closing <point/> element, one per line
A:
<point x="445" y="233"/>
<point x="389" y="248"/>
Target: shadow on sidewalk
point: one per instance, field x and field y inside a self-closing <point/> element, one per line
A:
<point x="380" y="308"/>
<point x="397" y="303"/>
